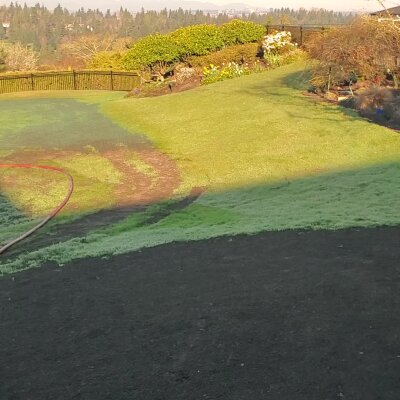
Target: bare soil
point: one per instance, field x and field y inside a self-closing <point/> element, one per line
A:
<point x="166" y="88"/>
<point x="291" y="315"/>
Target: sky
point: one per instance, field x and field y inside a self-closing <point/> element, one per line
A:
<point x="337" y="5"/>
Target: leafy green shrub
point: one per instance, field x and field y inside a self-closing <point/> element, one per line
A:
<point x="273" y="60"/>
<point x="157" y="52"/>
<point x="240" y="53"/>
<point x="215" y="73"/>
<point x="198" y="40"/>
<point x="237" y="31"/>
<point x="106" y="60"/>
<point x="160" y="52"/>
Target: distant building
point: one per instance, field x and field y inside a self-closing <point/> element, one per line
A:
<point x="388" y="14"/>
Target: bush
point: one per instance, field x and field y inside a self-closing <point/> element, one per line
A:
<point x="198" y="40"/>
<point x="214" y="73"/>
<point x="276" y="60"/>
<point x="392" y="112"/>
<point x="372" y="99"/>
<point x="273" y="60"/>
<point x="380" y="104"/>
<point x="239" y="54"/>
<point x="106" y="60"/>
<point x="365" y="48"/>
<point x="157" y="52"/>
<point x="18" y="57"/>
<point x="237" y="31"/>
<point x="278" y="43"/>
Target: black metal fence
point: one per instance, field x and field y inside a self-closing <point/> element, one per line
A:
<point x="69" y="80"/>
<point x="300" y="33"/>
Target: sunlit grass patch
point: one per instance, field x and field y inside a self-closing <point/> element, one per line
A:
<point x="142" y="167"/>
<point x="254" y="130"/>
<point x="92" y="166"/>
<point x="34" y="191"/>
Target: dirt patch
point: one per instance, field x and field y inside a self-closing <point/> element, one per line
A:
<point x="165" y="88"/>
<point x="287" y="315"/>
<point x="135" y="186"/>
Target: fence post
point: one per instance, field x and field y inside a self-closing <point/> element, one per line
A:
<point x="111" y="80"/>
<point x="301" y="35"/>
<point x="32" y="83"/>
<point x="329" y="79"/>
<point x="74" y="78"/>
<point x="267" y="29"/>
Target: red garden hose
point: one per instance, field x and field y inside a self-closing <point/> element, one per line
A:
<point x="53" y="213"/>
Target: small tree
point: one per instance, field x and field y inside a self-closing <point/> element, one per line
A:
<point x="85" y="47"/>
<point x="18" y="57"/>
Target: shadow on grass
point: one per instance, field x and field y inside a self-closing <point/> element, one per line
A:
<point x="290" y="91"/>
<point x="81" y="226"/>
<point x="358" y="197"/>
<point x="361" y="197"/>
<point x="9" y="215"/>
<point x="300" y="81"/>
<point x="50" y="123"/>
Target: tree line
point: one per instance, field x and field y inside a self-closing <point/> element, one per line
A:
<point x="45" y="30"/>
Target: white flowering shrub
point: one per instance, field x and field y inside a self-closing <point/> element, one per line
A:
<point x="279" y="49"/>
<point x="18" y="57"/>
<point x="278" y="43"/>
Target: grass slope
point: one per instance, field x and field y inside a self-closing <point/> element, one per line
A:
<point x="271" y="159"/>
<point x="256" y="129"/>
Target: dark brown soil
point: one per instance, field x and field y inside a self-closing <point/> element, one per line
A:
<point x="173" y="87"/>
<point x="285" y="315"/>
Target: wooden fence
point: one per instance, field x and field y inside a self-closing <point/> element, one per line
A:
<point x="69" y="80"/>
<point x="300" y="33"/>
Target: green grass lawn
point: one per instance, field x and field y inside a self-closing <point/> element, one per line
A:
<point x="270" y="158"/>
